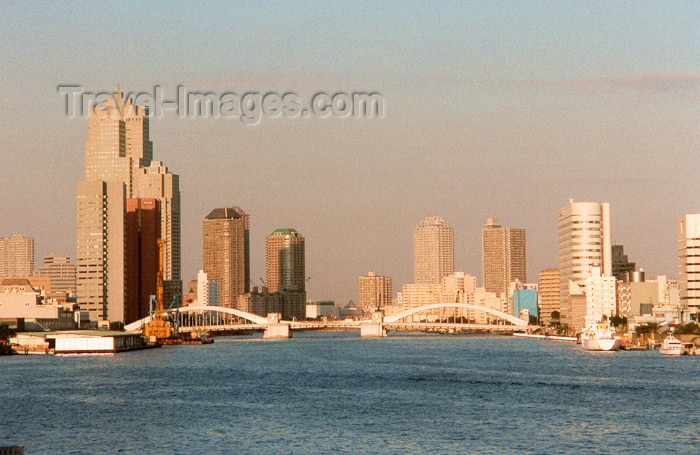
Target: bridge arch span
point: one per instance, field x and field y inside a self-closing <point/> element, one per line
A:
<point x="508" y="317"/>
<point x="254" y="318"/>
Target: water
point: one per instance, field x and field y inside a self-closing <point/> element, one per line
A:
<point x="337" y="393"/>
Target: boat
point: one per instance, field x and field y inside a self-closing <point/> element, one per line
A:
<point x="672" y="346"/>
<point x="599" y="337"/>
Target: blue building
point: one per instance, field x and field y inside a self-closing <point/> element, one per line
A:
<point x="525" y="299"/>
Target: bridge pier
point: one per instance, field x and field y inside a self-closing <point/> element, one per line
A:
<point x="277" y="332"/>
<point x="275" y="329"/>
<point x="372" y="330"/>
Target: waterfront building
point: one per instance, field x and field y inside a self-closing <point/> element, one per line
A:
<point x="202" y="288"/>
<point x="600" y="298"/>
<point x="226" y="252"/>
<point x="119" y="166"/>
<point x="419" y="294"/>
<point x="61" y="272"/>
<point x="19" y="301"/>
<point x="433" y="247"/>
<point x="482" y="297"/>
<point x="503" y="256"/>
<point x="100" y="268"/>
<point x="456" y="287"/>
<point x="584" y="244"/>
<point x="157" y="182"/>
<point x="16" y="256"/>
<point x="548" y="296"/>
<point x="375" y="291"/>
<point x="286" y="270"/>
<point x="689" y="265"/>
<point x="142" y="256"/>
<point x="621" y="266"/>
<point x="522" y="296"/>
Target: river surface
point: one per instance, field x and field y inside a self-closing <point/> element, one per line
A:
<point x="338" y="393"/>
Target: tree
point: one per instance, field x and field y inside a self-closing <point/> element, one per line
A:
<point x="650" y="327"/>
<point x="555" y="315"/>
<point x="690" y="328"/>
<point x="618" y="321"/>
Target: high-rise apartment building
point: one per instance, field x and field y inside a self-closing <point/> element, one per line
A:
<point x="286" y="270"/>
<point x="549" y="299"/>
<point x="61" y="272"/>
<point x="16" y="256"/>
<point x="503" y="256"/>
<point x="584" y="244"/>
<point x="621" y="266"/>
<point x="375" y="291"/>
<point x="118" y="150"/>
<point x="601" y="298"/>
<point x="433" y="248"/>
<point x="226" y="251"/>
<point x="689" y="265"/>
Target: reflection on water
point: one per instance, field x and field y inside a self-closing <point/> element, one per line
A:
<point x="337" y="393"/>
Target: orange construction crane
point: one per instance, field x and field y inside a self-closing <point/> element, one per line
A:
<point x="158" y="328"/>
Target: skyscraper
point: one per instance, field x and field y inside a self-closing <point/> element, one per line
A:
<point x="503" y="256"/>
<point x="433" y="249"/>
<point x="689" y="265"/>
<point x="375" y="291"/>
<point x="118" y="150"/>
<point x="101" y="241"/>
<point x="549" y="299"/>
<point x="142" y="255"/>
<point x="286" y="270"/>
<point x="16" y="256"/>
<point x="226" y="251"/>
<point x="584" y="243"/>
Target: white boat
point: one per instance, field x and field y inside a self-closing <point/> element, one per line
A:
<point x="671" y="346"/>
<point x="599" y="337"/>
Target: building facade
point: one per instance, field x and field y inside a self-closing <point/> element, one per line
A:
<point x="584" y="244"/>
<point x="503" y="256"/>
<point x="61" y="272"/>
<point x="433" y="247"/>
<point x="226" y="253"/>
<point x="375" y="291"/>
<point x="621" y="266"/>
<point x="118" y="159"/>
<point x="286" y="270"/>
<point x="689" y="265"/>
<point x="548" y="296"/>
<point x="16" y="256"/>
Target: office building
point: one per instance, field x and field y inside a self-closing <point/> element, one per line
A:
<point x="621" y="266"/>
<point x="101" y="242"/>
<point x="61" y="272"/>
<point x="601" y="298"/>
<point x="16" y="256"/>
<point x="375" y="291"/>
<point x="584" y="244"/>
<point x="456" y="287"/>
<point x="142" y="255"/>
<point x="118" y="160"/>
<point x="226" y="253"/>
<point x="433" y="247"/>
<point x="503" y="256"/>
<point x="548" y="296"/>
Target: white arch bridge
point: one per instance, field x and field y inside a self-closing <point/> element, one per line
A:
<point x="438" y="317"/>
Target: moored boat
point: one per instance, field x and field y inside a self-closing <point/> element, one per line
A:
<point x="672" y="346"/>
<point x="599" y="337"/>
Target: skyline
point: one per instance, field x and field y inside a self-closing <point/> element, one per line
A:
<point x="500" y="125"/>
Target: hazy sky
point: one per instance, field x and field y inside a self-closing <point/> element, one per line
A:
<point x="501" y="110"/>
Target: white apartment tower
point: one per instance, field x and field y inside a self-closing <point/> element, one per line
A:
<point x="433" y="247"/>
<point x="689" y="265"/>
<point x="584" y="244"/>
<point x="16" y="256"/>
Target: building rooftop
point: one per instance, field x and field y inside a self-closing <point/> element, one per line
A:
<point x="226" y="213"/>
<point x="286" y="231"/>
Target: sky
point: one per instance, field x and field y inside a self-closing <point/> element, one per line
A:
<point x="493" y="109"/>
